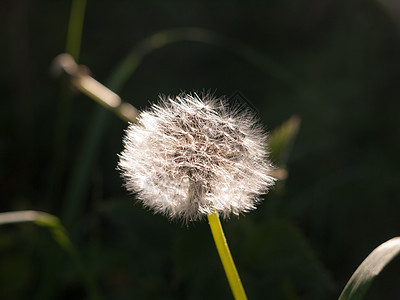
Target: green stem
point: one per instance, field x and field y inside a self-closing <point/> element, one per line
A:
<point x="75" y="27"/>
<point x="226" y="257"/>
<point x="62" y="123"/>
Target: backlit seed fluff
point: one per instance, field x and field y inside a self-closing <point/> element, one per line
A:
<point x="189" y="156"/>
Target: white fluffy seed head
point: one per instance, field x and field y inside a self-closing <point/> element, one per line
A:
<point x="189" y="156"/>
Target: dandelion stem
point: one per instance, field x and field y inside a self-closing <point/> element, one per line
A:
<point x="226" y="257"/>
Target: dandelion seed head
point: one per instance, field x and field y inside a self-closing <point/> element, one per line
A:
<point x="189" y="156"/>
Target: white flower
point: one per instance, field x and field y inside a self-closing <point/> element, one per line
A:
<point x="188" y="157"/>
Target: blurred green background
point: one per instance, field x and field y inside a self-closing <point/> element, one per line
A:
<point x="334" y="64"/>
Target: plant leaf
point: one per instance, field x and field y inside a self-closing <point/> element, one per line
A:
<point x="281" y="140"/>
<point x="362" y="278"/>
<point x="60" y="236"/>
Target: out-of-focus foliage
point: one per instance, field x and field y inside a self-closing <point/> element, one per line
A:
<point x="281" y="140"/>
<point x="334" y="64"/>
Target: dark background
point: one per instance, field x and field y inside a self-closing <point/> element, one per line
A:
<point x="335" y="64"/>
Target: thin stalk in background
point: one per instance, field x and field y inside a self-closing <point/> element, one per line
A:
<point x="62" y="122"/>
<point x="226" y="257"/>
<point x="49" y="278"/>
<point x="75" y="28"/>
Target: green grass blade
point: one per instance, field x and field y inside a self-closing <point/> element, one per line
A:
<point x="169" y="36"/>
<point x="75" y="28"/>
<point x="60" y="236"/>
<point x="63" y="115"/>
<point x="362" y="278"/>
